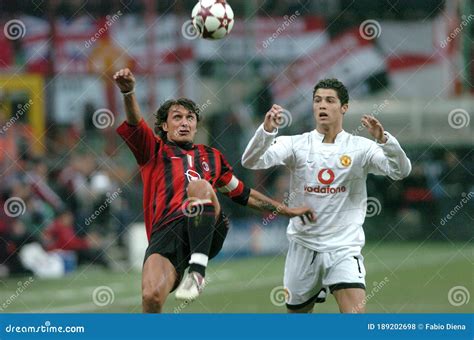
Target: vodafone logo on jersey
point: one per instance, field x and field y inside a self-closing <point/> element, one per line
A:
<point x="326" y="177"/>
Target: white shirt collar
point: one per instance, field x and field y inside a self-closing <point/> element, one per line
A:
<point x="320" y="137"/>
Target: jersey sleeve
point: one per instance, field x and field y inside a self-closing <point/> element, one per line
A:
<point x="230" y="185"/>
<point x="140" y="139"/>
<point x="264" y="150"/>
<point x="387" y="159"/>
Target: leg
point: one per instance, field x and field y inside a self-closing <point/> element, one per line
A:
<point x="201" y="190"/>
<point x="350" y="300"/>
<point x="305" y="309"/>
<point x="203" y="207"/>
<point x="158" y="279"/>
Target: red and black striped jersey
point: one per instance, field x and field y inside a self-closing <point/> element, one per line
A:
<point x="166" y="169"/>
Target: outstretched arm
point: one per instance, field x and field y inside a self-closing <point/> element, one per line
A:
<point x="126" y="82"/>
<point x="264" y="150"/>
<point x="259" y="201"/>
<point x="387" y="156"/>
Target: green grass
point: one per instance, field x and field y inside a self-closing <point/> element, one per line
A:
<point x="419" y="277"/>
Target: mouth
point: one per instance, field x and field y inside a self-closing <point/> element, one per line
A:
<point x="183" y="132"/>
<point x="323" y="115"/>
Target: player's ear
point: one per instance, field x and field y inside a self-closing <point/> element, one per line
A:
<point x="164" y="126"/>
<point x="344" y="108"/>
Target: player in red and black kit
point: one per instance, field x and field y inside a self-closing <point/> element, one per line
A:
<point x="184" y="222"/>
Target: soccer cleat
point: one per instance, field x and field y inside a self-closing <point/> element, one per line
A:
<point x="191" y="286"/>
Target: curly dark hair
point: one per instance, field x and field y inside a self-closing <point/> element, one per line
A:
<point x="335" y="85"/>
<point x="162" y="113"/>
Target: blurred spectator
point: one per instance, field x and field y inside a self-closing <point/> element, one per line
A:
<point x="60" y="235"/>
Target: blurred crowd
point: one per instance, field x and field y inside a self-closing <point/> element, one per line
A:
<point x="68" y="200"/>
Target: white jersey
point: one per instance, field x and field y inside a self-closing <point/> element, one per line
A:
<point x="329" y="178"/>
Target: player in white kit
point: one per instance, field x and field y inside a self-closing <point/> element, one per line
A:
<point x="329" y="169"/>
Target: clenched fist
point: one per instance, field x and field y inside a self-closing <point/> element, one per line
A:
<point x="125" y="80"/>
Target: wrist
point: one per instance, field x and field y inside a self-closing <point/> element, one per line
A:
<point x="127" y="93"/>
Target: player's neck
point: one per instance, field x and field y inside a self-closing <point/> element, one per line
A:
<point x="329" y="132"/>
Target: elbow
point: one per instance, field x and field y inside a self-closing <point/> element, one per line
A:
<point x="401" y="173"/>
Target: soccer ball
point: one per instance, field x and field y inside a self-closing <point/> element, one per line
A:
<point x="213" y="19"/>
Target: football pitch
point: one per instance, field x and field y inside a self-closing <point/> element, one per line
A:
<point x="401" y="278"/>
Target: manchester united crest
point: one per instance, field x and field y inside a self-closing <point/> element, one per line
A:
<point x="345" y="160"/>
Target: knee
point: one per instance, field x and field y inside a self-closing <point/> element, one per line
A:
<point x="153" y="300"/>
<point x="199" y="189"/>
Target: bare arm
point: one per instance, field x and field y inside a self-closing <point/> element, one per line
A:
<point x="126" y="82"/>
<point x="259" y="201"/>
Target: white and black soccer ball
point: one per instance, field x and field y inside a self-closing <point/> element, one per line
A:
<point x="213" y="19"/>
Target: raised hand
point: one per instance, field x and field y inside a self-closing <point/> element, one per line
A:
<point x="125" y="80"/>
<point x="374" y="127"/>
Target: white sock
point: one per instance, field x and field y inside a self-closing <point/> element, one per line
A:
<point x="199" y="258"/>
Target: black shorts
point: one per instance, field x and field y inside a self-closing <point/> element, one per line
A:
<point x="172" y="242"/>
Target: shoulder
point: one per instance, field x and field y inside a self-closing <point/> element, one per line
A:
<point x="359" y="141"/>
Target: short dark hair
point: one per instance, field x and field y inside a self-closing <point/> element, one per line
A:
<point x="335" y="85"/>
<point x="161" y="114"/>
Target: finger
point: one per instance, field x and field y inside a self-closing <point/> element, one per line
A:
<point x="302" y="219"/>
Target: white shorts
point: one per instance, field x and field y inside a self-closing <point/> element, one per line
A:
<point x="310" y="276"/>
